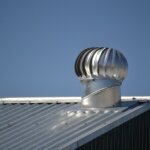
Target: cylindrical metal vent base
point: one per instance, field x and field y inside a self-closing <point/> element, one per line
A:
<point x="107" y="97"/>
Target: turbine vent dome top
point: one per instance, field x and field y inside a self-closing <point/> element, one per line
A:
<point x="97" y="63"/>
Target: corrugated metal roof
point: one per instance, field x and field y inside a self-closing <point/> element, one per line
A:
<point x="59" y="126"/>
<point x="131" y="135"/>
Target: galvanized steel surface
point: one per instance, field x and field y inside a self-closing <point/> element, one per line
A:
<point x="132" y="135"/>
<point x="101" y="71"/>
<point x="100" y="62"/>
<point x="36" y="100"/>
<point x="46" y="100"/>
<point x="107" y="97"/>
<point x="58" y="126"/>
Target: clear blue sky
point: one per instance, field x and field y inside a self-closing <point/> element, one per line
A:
<point x="40" y="40"/>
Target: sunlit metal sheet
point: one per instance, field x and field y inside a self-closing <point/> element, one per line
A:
<point x="34" y="100"/>
<point x="59" y="126"/>
<point x="131" y="135"/>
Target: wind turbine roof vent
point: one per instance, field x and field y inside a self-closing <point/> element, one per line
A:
<point x="101" y="70"/>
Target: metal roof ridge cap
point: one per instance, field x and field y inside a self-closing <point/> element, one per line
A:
<point x="40" y="100"/>
<point x="67" y="99"/>
<point x="128" y="98"/>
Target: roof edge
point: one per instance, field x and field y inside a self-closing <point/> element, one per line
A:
<point x="7" y="100"/>
<point x="105" y="127"/>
